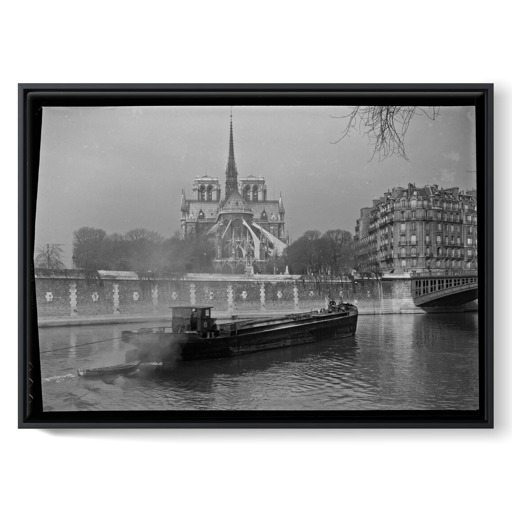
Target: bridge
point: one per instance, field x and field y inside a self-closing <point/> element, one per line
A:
<point x="440" y="290"/>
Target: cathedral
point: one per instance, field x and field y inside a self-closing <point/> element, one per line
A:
<point x="248" y="228"/>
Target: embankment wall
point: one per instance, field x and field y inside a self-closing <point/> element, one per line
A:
<point x="102" y="293"/>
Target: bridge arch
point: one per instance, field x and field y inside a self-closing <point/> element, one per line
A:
<point x="437" y="290"/>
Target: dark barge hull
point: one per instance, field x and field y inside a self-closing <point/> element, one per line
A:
<point x="157" y="345"/>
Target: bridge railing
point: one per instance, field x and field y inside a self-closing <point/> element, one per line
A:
<point x="431" y="284"/>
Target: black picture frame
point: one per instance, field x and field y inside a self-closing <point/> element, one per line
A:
<point x="33" y="97"/>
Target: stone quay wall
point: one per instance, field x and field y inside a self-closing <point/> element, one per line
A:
<point x="75" y="293"/>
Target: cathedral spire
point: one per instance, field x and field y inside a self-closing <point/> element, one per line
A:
<point x="231" y="172"/>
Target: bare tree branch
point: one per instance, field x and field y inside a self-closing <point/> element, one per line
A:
<point x="384" y="126"/>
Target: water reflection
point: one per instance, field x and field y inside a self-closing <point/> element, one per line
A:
<point x="393" y="362"/>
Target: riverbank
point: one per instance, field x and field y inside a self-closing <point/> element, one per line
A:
<point x="105" y="297"/>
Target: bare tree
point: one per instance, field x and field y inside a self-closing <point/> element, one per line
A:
<point x="384" y="126"/>
<point x="338" y="251"/>
<point x="330" y="254"/>
<point x="49" y="256"/>
<point x="87" y="243"/>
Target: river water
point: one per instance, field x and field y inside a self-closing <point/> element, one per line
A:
<point x="411" y="362"/>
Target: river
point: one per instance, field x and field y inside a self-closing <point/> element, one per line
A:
<point x="407" y="362"/>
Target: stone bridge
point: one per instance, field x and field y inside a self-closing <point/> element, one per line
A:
<point x="436" y="290"/>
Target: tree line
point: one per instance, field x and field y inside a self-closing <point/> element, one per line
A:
<point x="142" y="250"/>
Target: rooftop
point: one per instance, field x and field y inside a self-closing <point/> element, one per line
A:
<point x="235" y="204"/>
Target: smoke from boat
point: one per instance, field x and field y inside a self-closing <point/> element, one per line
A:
<point x="170" y="353"/>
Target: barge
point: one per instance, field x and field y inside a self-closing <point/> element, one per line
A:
<point x="194" y="334"/>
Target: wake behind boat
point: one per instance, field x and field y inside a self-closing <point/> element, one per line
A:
<point x="194" y="334"/>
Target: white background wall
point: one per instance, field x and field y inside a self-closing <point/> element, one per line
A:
<point x="266" y="41"/>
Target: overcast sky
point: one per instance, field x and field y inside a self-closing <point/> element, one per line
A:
<point x="122" y="168"/>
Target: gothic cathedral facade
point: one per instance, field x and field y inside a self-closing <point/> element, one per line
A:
<point x="247" y="228"/>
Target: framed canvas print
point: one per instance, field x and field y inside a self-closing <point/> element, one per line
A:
<point x="255" y="255"/>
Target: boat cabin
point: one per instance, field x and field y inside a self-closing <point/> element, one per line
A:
<point x="192" y="318"/>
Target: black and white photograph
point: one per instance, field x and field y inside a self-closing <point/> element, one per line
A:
<point x="262" y="256"/>
<point x="258" y="258"/>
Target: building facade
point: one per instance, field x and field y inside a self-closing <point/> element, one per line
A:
<point x="418" y="229"/>
<point x="247" y="227"/>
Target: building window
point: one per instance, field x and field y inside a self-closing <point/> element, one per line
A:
<point x="470" y="241"/>
<point x="413" y="214"/>
<point x="438" y="239"/>
<point x="413" y="251"/>
<point x="427" y="239"/>
<point x="413" y="239"/>
<point x="402" y="227"/>
<point x="439" y="226"/>
<point x="452" y="228"/>
<point x="402" y="252"/>
<point x="413" y="262"/>
<point x="413" y="226"/>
